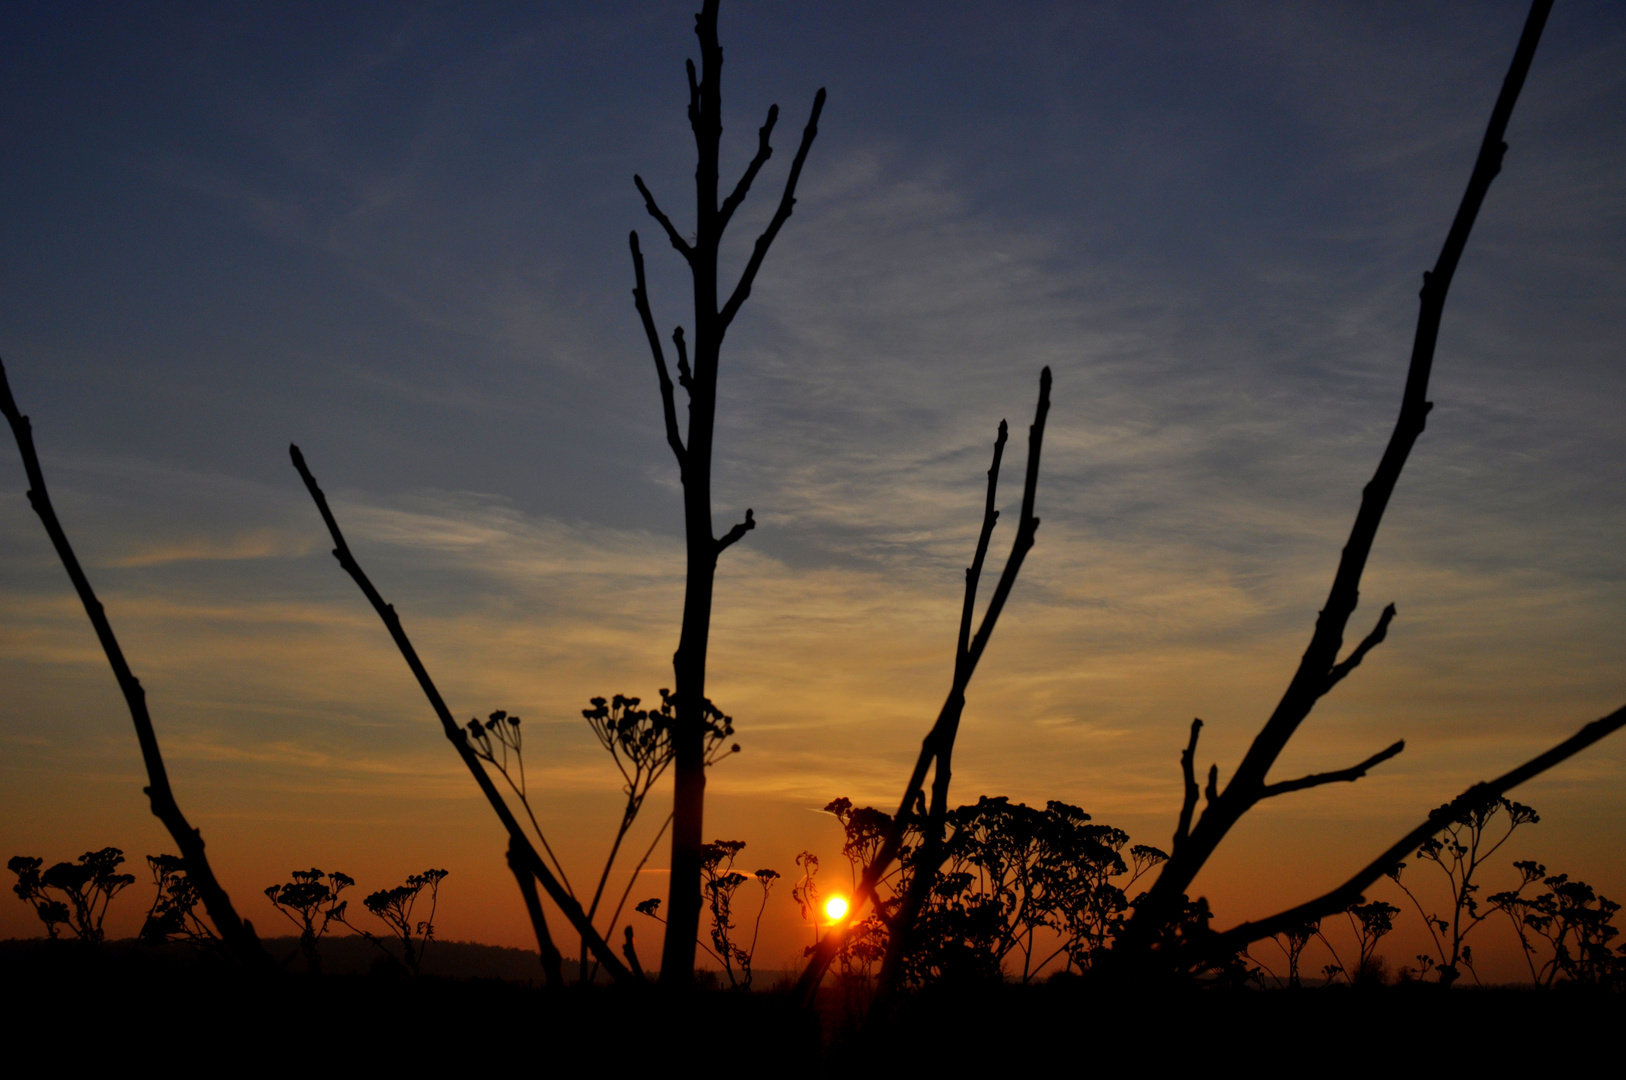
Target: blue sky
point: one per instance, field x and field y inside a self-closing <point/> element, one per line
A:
<point x="396" y="234"/>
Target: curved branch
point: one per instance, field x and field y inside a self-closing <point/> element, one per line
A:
<point x="237" y="933"/>
<point x="1354" y="772"/>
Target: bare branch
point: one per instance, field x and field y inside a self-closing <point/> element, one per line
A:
<point x="1476" y="797"/>
<point x="764" y="152"/>
<point x="973" y="573"/>
<point x="237" y="933"/>
<point x="1311" y="680"/>
<point x="1188" y="770"/>
<point x="1354" y="772"/>
<point x="640" y="298"/>
<point x="551" y="961"/>
<point x="1211" y="792"/>
<point x="1026" y="529"/>
<point x="519" y="843"/>
<point x="786" y="202"/>
<point x="655" y="212"/>
<point x="1375" y="638"/>
<point x="733" y="535"/>
<point x="939" y="741"/>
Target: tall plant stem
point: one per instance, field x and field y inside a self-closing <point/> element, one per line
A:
<point x="711" y="322"/>
<point x="237" y="933"/>
<point x="521" y="851"/>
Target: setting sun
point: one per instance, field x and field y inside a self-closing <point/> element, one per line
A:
<point x="836" y="908"/>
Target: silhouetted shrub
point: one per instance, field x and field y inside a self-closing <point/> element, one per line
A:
<point x="76" y="894"/>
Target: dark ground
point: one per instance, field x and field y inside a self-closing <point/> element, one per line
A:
<point x="101" y="1010"/>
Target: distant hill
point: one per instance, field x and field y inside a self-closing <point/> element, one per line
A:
<point x="355" y="955"/>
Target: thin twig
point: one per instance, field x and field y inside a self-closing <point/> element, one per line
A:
<point x="1354" y="772"/>
<point x="655" y="212"/>
<point x="782" y="215"/>
<point x="1371" y="641"/>
<point x="764" y="152"/>
<point x="733" y="535"/>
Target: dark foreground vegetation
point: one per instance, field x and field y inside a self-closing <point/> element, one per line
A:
<point x="92" y="1003"/>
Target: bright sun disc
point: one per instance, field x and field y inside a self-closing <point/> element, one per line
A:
<point x="836" y="908"/>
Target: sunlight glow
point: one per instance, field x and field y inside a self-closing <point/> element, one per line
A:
<point x="836" y="908"/>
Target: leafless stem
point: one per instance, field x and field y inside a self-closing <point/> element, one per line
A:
<point x="1318" y="666"/>
<point x="640" y="297"/>
<point x="1188" y="770"/>
<point x="1354" y="772"/>
<point x="518" y="841"/>
<point x="551" y="960"/>
<point x="786" y="202"/>
<point x="764" y="152"/>
<point x="939" y="742"/>
<point x="236" y="932"/>
<point x="1375" y="638"/>
<point x="733" y="535"/>
<point x="973" y="573"/>
<point x="609" y="931"/>
<point x="655" y="212"/>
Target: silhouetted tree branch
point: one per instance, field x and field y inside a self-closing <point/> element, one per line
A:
<point x="520" y="843"/>
<point x="733" y="535"/>
<point x="655" y="212"/>
<point x="1188" y="769"/>
<point x="938" y="745"/>
<point x="781" y="215"/>
<point x="1354" y="772"/>
<point x="1476" y="797"/>
<point x="764" y="152"/>
<point x="1371" y="641"/>
<point x="1319" y="669"/>
<point x="237" y="933"/>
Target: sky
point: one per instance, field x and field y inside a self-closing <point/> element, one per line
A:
<point x="395" y="234"/>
